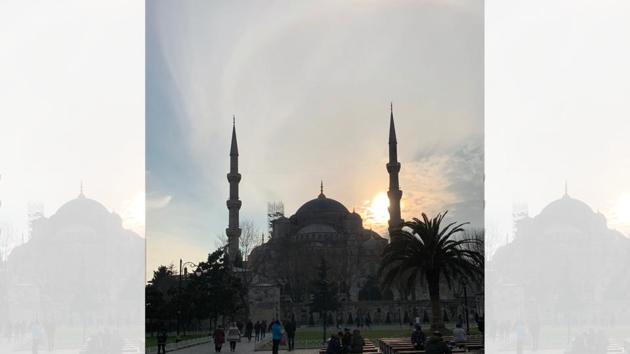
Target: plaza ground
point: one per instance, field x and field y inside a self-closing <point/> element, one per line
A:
<point x="309" y="339"/>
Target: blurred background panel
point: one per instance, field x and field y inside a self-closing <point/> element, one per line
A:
<point x="72" y="176"/>
<point x="557" y="166"/>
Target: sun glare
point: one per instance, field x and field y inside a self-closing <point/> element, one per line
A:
<point x="133" y="213"/>
<point x="622" y="209"/>
<point x="378" y="213"/>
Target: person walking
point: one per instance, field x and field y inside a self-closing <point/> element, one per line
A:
<point x="263" y="329"/>
<point x="219" y="339"/>
<point x="276" y="336"/>
<point x="36" y="332"/>
<point x="249" y="327"/>
<point x="436" y="345"/>
<point x="161" y="341"/>
<point x="257" y="331"/>
<point x="233" y="336"/>
<point x="290" y="328"/>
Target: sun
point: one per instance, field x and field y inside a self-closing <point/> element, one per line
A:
<point x="622" y="209"/>
<point x="133" y="213"/>
<point x="378" y="212"/>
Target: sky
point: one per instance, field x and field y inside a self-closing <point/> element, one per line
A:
<point x="72" y="110"/>
<point x="557" y="109"/>
<point x="310" y="85"/>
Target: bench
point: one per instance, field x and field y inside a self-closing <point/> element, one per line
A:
<point x="404" y="346"/>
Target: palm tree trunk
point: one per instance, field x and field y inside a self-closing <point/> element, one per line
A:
<point x="437" y="323"/>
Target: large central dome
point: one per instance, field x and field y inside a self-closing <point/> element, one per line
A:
<point x="321" y="204"/>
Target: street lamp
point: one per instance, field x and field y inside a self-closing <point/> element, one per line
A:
<point x="466" y="308"/>
<point x="179" y="291"/>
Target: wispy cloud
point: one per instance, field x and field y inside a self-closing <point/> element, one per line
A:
<point x="310" y="84"/>
<point x="158" y="201"/>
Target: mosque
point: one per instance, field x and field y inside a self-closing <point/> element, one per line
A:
<point x="89" y="269"/>
<point x="282" y="269"/>
<point x="577" y="276"/>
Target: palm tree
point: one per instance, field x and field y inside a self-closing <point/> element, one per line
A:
<point x="427" y="252"/>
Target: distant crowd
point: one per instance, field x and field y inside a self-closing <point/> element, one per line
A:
<point x="280" y="335"/>
<point x="34" y="331"/>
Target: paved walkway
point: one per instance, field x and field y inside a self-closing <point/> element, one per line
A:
<point x="242" y="347"/>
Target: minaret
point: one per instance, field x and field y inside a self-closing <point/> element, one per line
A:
<point x="233" y="231"/>
<point x="393" y="167"/>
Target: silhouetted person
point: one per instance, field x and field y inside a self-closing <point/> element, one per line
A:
<point x="418" y="338"/>
<point x="219" y="339"/>
<point x="290" y="328"/>
<point x="49" y="328"/>
<point x="263" y="329"/>
<point x="249" y="327"/>
<point x="161" y="340"/>
<point x="334" y="344"/>
<point x="257" y="331"/>
<point x="346" y="340"/>
<point x="436" y="345"/>
<point x="357" y="342"/>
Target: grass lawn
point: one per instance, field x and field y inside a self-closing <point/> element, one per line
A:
<point x="152" y="341"/>
<point x="311" y="337"/>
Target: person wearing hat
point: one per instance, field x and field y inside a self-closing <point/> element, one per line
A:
<point x="436" y="345"/>
<point x="418" y="338"/>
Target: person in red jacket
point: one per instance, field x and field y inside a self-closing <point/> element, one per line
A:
<point x="219" y="339"/>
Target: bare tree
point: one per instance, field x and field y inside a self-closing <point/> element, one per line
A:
<point x="250" y="237"/>
<point x="220" y="240"/>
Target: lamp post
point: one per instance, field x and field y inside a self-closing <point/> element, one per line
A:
<point x="466" y="309"/>
<point x="179" y="291"/>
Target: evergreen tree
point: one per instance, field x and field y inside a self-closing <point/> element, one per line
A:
<point x="324" y="295"/>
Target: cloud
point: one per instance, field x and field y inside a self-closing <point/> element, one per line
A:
<point x="451" y="180"/>
<point x="158" y="201"/>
